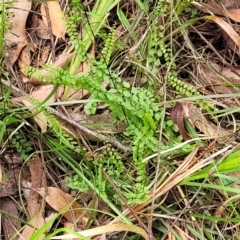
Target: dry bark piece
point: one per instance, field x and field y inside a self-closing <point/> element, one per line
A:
<point x="10" y="225"/>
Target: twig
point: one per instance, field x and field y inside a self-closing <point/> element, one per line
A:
<point x="19" y="93"/>
<point x="99" y="136"/>
<point x="216" y="52"/>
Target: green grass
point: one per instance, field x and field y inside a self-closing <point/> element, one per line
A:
<point x="160" y="184"/>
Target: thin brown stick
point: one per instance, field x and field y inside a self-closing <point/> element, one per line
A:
<point x="18" y="93"/>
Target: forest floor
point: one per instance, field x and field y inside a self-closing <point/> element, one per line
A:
<point x="120" y="120"/>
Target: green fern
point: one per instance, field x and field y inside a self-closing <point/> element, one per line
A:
<point x="65" y="139"/>
<point x="22" y="144"/>
<point x="159" y="52"/>
<point x="134" y="105"/>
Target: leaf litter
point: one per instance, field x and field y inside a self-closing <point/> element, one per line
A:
<point x="214" y="77"/>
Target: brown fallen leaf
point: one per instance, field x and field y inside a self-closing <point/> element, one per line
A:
<point x="38" y="116"/>
<point x="17" y="37"/>
<point x="220" y="79"/>
<point x="41" y="94"/>
<point x="69" y="225"/>
<point x="8" y="184"/>
<point x="218" y="9"/>
<point x="177" y="114"/>
<point x="196" y="117"/>
<point x="66" y="204"/>
<point x="28" y="231"/>
<point x="38" y="179"/>
<point x="234" y="14"/>
<point x="10" y="224"/>
<point x="56" y="15"/>
<point x="43" y="56"/>
<point x="44" y="73"/>
<point x="231" y="37"/>
<point x="35" y="205"/>
<point x="227" y="28"/>
<point x="41" y="29"/>
<point x="24" y="60"/>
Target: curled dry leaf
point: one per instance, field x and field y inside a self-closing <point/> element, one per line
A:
<point x="177" y="115"/>
<point x="17" y="37"/>
<point x="196" y="118"/>
<point x="66" y="204"/>
<point x="56" y="18"/>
